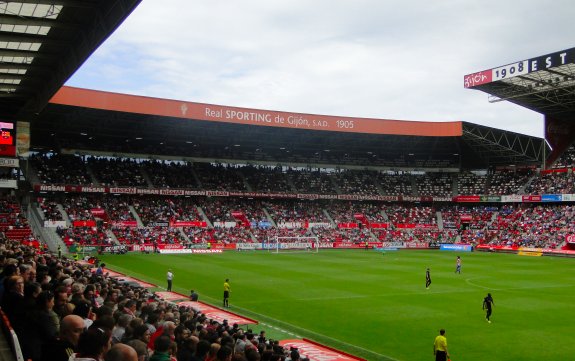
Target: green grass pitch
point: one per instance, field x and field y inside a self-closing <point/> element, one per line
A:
<point x="376" y="306"/>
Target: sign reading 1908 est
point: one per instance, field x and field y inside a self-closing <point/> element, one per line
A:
<point x="520" y="68"/>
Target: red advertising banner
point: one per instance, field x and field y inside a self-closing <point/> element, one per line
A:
<point x="557" y="170"/>
<point x="570" y="238"/>
<point x="465" y="218"/>
<point x="467" y="199"/>
<point x="356" y="245"/>
<point x="379" y="225"/>
<point x="98" y="211"/>
<point x="188" y="224"/>
<point x="170" y="246"/>
<point x="481" y="77"/>
<point x="347" y="225"/>
<point x="415" y="225"/>
<point x="254" y="117"/>
<point x="528" y="199"/>
<point x="125" y="223"/>
<point x="88" y="223"/>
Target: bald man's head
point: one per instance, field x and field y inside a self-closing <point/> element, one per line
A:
<point x="71" y="328"/>
<point x="121" y="352"/>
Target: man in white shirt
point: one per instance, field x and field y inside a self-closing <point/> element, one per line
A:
<point x="170" y="277"/>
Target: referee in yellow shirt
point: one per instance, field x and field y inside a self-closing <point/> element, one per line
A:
<point x="440" y="347"/>
<point x="227" y="290"/>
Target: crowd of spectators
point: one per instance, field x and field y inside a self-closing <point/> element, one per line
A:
<point x="234" y="220"/>
<point x="508" y="181"/>
<point x="475" y="217"/>
<point x="567" y="159"/>
<point x="61" y="310"/>
<point x="395" y="184"/>
<point x="220" y="177"/>
<point x="535" y="226"/>
<point x="110" y="171"/>
<point x="470" y="183"/>
<point x="356" y="182"/>
<point x="295" y="211"/>
<point x="267" y="179"/>
<point x="434" y="184"/>
<point x="61" y="169"/>
<point x="117" y="172"/>
<point x="553" y="183"/>
<point x="312" y="181"/>
<point x="50" y="209"/>
<point x="406" y="214"/>
<point x="164" y="174"/>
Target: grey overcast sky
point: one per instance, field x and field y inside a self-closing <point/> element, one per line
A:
<point x="385" y="59"/>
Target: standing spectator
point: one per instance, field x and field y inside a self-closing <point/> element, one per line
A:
<point x="487" y="304"/>
<point x="440" y="347"/>
<point x="169" y="277"/>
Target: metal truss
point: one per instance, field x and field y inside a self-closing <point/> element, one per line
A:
<point x="498" y="147"/>
<point x="550" y="91"/>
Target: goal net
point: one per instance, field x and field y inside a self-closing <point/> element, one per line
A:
<point x="293" y="244"/>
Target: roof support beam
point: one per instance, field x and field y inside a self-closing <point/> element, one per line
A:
<point x="30" y="21"/>
<point x="70" y="3"/>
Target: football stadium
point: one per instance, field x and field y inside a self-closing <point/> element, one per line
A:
<point x="142" y="228"/>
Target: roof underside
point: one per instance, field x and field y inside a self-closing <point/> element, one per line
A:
<point x="66" y="127"/>
<point x="549" y="91"/>
<point x="43" y="42"/>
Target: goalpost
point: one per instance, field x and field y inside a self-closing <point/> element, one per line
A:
<point x="294" y="244"/>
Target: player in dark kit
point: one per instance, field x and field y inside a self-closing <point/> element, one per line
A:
<point x="427" y="278"/>
<point x="487" y="305"/>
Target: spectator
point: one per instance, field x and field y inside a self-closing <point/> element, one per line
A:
<point x="161" y="349"/>
<point x="93" y="344"/>
<point x="61" y="348"/>
<point x="121" y="352"/>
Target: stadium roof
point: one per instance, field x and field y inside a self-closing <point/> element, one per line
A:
<point x="545" y="84"/>
<point x="88" y="121"/>
<point x="43" y="42"/>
